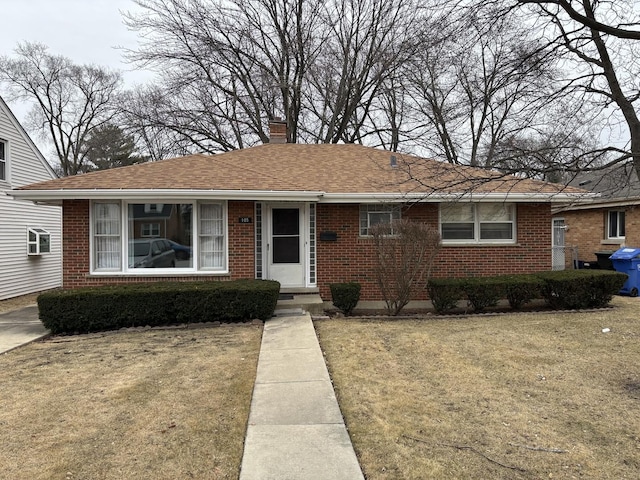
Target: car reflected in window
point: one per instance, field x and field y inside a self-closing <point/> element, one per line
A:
<point x="151" y="253"/>
<point x="183" y="252"/>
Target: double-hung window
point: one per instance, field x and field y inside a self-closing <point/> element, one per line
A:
<point x="3" y="160"/>
<point x="106" y="236"/>
<point x="375" y="214"/>
<point x="477" y="222"/>
<point x="159" y="237"/>
<point x="212" y="237"/>
<point x="615" y="225"/>
<point x="150" y="230"/>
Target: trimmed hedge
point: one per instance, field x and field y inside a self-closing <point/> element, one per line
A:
<point x="576" y="289"/>
<point x="345" y="296"/>
<point x="154" y="304"/>
<point x="483" y="292"/>
<point x="445" y="293"/>
<point x="521" y="289"/>
<point x="566" y="289"/>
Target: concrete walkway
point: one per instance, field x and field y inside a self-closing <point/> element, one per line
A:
<point x="296" y="430"/>
<point x="19" y="327"/>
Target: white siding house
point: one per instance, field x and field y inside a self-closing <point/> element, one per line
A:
<point x="30" y="234"/>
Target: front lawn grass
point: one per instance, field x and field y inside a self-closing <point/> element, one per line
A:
<point x="522" y="396"/>
<point x="155" y="404"/>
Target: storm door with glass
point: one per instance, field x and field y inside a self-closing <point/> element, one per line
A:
<point x="286" y="245"/>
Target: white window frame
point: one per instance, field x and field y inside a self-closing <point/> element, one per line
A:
<point x="393" y="211"/>
<point x="477" y="223"/>
<point x="201" y="236"/>
<point x="618" y="223"/>
<point x="150" y="230"/>
<point x="124" y="269"/>
<point x="4" y="164"/>
<point x="117" y="236"/>
<point x="153" y="207"/>
<point x="38" y="241"/>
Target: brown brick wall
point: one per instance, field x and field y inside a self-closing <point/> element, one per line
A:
<point x="587" y="231"/>
<point x="75" y="249"/>
<point x="75" y="243"/>
<point x="351" y="257"/>
<point x="348" y="259"/>
<point x="242" y="240"/>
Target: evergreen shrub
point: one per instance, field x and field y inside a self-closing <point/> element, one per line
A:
<point x="345" y="296"/>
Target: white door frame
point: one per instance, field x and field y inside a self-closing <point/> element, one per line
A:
<point x="557" y="249"/>
<point x="289" y="275"/>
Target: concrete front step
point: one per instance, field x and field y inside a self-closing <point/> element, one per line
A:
<point x="310" y="302"/>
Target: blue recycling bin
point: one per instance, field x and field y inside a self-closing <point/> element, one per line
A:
<point x="627" y="260"/>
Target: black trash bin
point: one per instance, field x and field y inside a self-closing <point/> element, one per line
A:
<point x="627" y="260"/>
<point x="604" y="262"/>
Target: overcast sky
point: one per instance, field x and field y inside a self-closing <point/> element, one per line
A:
<point x="86" y="31"/>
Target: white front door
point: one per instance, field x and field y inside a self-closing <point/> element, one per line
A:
<point x="558" y="260"/>
<point x="286" y="244"/>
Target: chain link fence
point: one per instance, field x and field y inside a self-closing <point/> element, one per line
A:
<point x="564" y="258"/>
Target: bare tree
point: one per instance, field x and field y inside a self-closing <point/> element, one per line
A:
<point x="70" y="100"/>
<point x="599" y="44"/>
<point x="367" y="43"/>
<point x="405" y="252"/>
<point x="482" y="85"/>
<point x="154" y="121"/>
<point x="326" y="68"/>
<point x="227" y="66"/>
<point x="624" y="30"/>
<point x="543" y="157"/>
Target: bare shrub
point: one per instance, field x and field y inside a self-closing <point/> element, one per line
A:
<point x="405" y="252"/>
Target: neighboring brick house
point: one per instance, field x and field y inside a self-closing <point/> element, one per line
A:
<point x="604" y="224"/>
<point x="300" y="214"/>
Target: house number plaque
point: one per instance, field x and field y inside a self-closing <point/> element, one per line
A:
<point x="244" y="220"/>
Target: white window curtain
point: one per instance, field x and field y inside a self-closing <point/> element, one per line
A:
<point x="106" y="236"/>
<point x="457" y="221"/>
<point x="496" y="221"/>
<point x="211" y="237"/>
<point x="490" y="222"/>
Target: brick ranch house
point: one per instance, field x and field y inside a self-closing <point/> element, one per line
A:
<point x="298" y="214"/>
<point x="597" y="227"/>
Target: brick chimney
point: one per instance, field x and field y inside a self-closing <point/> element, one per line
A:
<point x="277" y="131"/>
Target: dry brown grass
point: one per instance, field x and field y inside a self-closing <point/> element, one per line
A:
<point x="156" y="404"/>
<point x="473" y="397"/>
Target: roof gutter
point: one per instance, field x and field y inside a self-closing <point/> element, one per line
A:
<point x="57" y="196"/>
<point x="454" y="197"/>
<point x="610" y="203"/>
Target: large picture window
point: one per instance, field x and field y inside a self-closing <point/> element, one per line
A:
<point x="477" y="222"/>
<point x="161" y="222"/>
<point x="615" y="225"/>
<point x="137" y="237"/>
